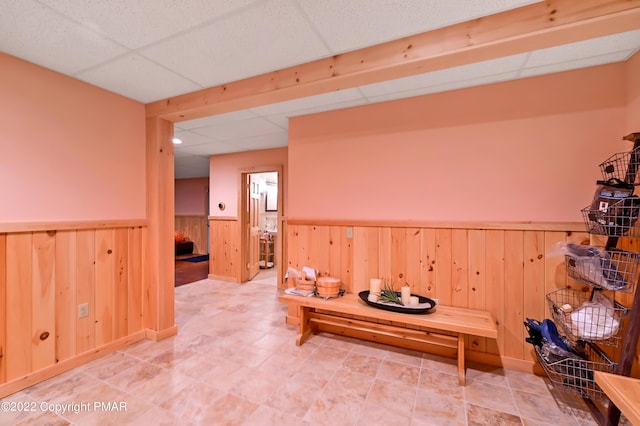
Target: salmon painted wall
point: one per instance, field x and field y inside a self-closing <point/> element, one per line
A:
<point x="191" y="196"/>
<point x="633" y="94"/>
<point x="224" y="176"/>
<point x="524" y="150"/>
<point x="68" y="150"/>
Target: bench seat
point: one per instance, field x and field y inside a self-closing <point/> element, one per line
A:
<point x="349" y="315"/>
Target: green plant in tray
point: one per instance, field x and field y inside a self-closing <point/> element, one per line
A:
<point x="388" y="294"/>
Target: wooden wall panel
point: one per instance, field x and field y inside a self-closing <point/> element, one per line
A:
<point x="195" y="229"/>
<point x="428" y="283"/>
<point x="135" y="279"/>
<point x="19" y="304"/>
<point x="43" y="322"/>
<point x="66" y="306"/>
<point x="514" y="293"/>
<point x="505" y="271"/>
<point x="86" y="288"/>
<point x="120" y="257"/>
<point x="413" y="258"/>
<point x="44" y="276"/>
<point x="105" y="287"/>
<point x="3" y="304"/>
<point x="459" y="267"/>
<point x="477" y="281"/>
<point x="225" y="256"/>
<point x="495" y="285"/>
<point x="443" y="265"/>
<point x="534" y="305"/>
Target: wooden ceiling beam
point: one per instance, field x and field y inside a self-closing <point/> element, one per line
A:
<point x="541" y="25"/>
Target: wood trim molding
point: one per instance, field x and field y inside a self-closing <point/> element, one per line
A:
<point x="156" y="336"/>
<point x="68" y="364"/>
<point x="540" y="25"/>
<point x="224" y="218"/>
<point x="524" y="226"/>
<point x="9" y="227"/>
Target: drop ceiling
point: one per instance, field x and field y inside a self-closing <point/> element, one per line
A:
<point x="149" y="50"/>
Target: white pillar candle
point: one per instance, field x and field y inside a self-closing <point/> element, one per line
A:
<point x="375" y="284"/>
<point x="413" y="300"/>
<point x="405" y="294"/>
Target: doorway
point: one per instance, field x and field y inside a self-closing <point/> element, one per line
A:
<point x="260" y="216"/>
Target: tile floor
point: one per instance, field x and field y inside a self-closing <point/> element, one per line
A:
<point x="234" y="362"/>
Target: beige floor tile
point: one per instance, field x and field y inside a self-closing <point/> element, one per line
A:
<point x="376" y="415"/>
<point x="392" y="396"/>
<point x="486" y="395"/>
<point x="541" y="408"/>
<point x="440" y="383"/>
<point x="234" y="361"/>
<point x="362" y="364"/>
<point x="268" y="416"/>
<point x="435" y="408"/>
<point x="480" y="416"/>
<point x="401" y="373"/>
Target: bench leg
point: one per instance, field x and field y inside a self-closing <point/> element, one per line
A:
<point x="461" y="372"/>
<point x="304" y="328"/>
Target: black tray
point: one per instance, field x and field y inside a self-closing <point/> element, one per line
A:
<point x="364" y="295"/>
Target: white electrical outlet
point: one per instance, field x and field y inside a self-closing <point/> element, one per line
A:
<point x="349" y="232"/>
<point x="83" y="310"/>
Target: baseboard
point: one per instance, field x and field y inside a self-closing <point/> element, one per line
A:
<point x="156" y="336"/>
<point x="31" y="379"/>
<point x="222" y="278"/>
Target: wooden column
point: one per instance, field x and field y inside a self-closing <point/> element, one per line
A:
<point x="158" y="308"/>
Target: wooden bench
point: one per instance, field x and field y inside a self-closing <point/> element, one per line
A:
<point x="398" y="329"/>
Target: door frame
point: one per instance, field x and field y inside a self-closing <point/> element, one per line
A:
<point x="279" y="256"/>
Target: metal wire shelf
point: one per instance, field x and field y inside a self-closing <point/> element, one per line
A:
<point x="580" y="320"/>
<point x="619" y="166"/>
<point x="573" y="375"/>
<point x="612" y="269"/>
<point x="615" y="221"/>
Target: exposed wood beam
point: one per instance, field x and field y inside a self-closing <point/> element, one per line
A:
<point x="537" y="26"/>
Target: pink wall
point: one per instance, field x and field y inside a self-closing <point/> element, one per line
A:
<point x="224" y="176"/>
<point x="191" y="196"/>
<point x="525" y="150"/>
<point x="68" y="150"/>
<point x="633" y="94"/>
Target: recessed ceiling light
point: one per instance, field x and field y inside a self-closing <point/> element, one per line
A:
<point x="177" y="141"/>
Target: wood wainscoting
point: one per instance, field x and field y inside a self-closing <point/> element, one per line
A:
<point x="195" y="229"/>
<point x="225" y="248"/>
<point x="505" y="269"/>
<point x="46" y="273"/>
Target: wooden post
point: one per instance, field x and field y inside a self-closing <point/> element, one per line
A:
<point x="158" y="309"/>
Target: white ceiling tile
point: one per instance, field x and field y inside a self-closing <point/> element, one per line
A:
<point x="270" y="36"/>
<point x="584" y="49"/>
<point x="145" y="81"/>
<point x="309" y="102"/>
<point x="191" y="167"/>
<point x="353" y="24"/>
<point x="216" y="119"/>
<point x="141" y="22"/>
<point x="190" y="139"/>
<point x="273" y="140"/>
<point x="445" y="76"/>
<point x="579" y="63"/>
<point x="455" y="85"/>
<point x="235" y="130"/>
<point x="37" y="34"/>
<point x="280" y="120"/>
<point x="211" y="148"/>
